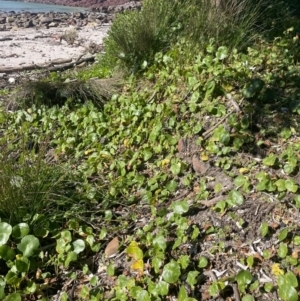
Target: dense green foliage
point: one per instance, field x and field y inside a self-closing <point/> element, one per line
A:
<point x="122" y="207"/>
<point x="136" y="36"/>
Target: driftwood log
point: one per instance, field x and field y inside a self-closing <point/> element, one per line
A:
<point x="54" y="65"/>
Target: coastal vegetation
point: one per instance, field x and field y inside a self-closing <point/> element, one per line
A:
<point x="169" y="170"/>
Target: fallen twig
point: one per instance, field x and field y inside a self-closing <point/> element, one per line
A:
<point x="214" y="201"/>
<point x="234" y="103"/>
<point x="236" y="292"/>
<point x="207" y="133"/>
<point x="55" y="65"/>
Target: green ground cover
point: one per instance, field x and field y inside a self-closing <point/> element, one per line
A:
<point x="175" y="176"/>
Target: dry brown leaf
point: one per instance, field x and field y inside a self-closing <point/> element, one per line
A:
<point x="112" y="247"/>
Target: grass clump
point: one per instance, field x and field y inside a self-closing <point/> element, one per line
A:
<point x="52" y="93"/>
<point x="31" y="187"/>
<point x="137" y="35"/>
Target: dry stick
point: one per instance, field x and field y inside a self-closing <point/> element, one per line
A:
<point x="236" y="107"/>
<point x="236" y="292"/>
<point x="214" y="201"/>
<point x="49" y="67"/>
<point x="211" y="275"/>
<point x="234" y="103"/>
<point x="207" y="133"/>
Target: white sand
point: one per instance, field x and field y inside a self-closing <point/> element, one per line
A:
<point x="32" y="46"/>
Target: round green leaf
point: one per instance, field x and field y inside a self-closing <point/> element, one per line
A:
<point x="291" y="279"/>
<point x="134" y="291"/>
<point x="13" y="297"/>
<point x="253" y="88"/>
<point x="78" y="246"/>
<point x="159" y="242"/>
<point x="239" y="181"/>
<point x="62" y="246"/>
<point x="224" y="137"/>
<point x="20" y="230"/>
<point x="283" y="234"/>
<point x="297" y="201"/>
<point x="31" y="287"/>
<point x="175" y="167"/>
<point x="282" y="250"/>
<point x="243" y="278"/>
<point x="222" y="53"/>
<point x="162" y="288"/>
<point x="7" y="253"/>
<point x="171" y="272"/>
<point x="264" y="229"/>
<point x="248" y="298"/>
<point x="147" y="153"/>
<point x="143" y="295"/>
<point x="291" y="185"/>
<point x="22" y="264"/>
<point x="268" y="287"/>
<point x="296" y="240"/>
<point x="286" y="291"/>
<point x="28" y="245"/>
<point x="203" y="262"/>
<point x="270" y="160"/>
<point x="262" y="185"/>
<point x="12" y="278"/>
<point x="236" y="197"/>
<point x="192" y="278"/>
<point x="182" y="295"/>
<point x="180" y="207"/>
<point x="5" y="231"/>
<point x="66" y="236"/>
<point x="280" y="185"/>
<point x="2" y="292"/>
<point x="72" y="256"/>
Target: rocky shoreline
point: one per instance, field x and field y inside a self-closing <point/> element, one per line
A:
<point x="12" y="21"/>
<point x="51" y="41"/>
<point x="96" y="4"/>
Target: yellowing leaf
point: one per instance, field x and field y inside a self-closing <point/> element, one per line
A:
<point x="165" y="162"/>
<point x="204" y="157"/>
<point x="126" y="142"/>
<point x="227" y="87"/>
<point x="134" y="251"/>
<point x="138" y="266"/>
<point x="276" y="270"/>
<point x="88" y="151"/>
<point x="243" y="170"/>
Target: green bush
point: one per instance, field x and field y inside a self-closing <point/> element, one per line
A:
<point x="136" y="36"/>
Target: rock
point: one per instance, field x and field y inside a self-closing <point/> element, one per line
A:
<point x="96" y="5"/>
<point x="45" y="20"/>
<point x="53" y="24"/>
<point x="28" y="24"/>
<point x="104" y="14"/>
<point x="10" y="19"/>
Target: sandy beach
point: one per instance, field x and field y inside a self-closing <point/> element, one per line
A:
<point x="41" y="46"/>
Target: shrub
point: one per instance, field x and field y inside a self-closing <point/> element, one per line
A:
<point x="136" y="36"/>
